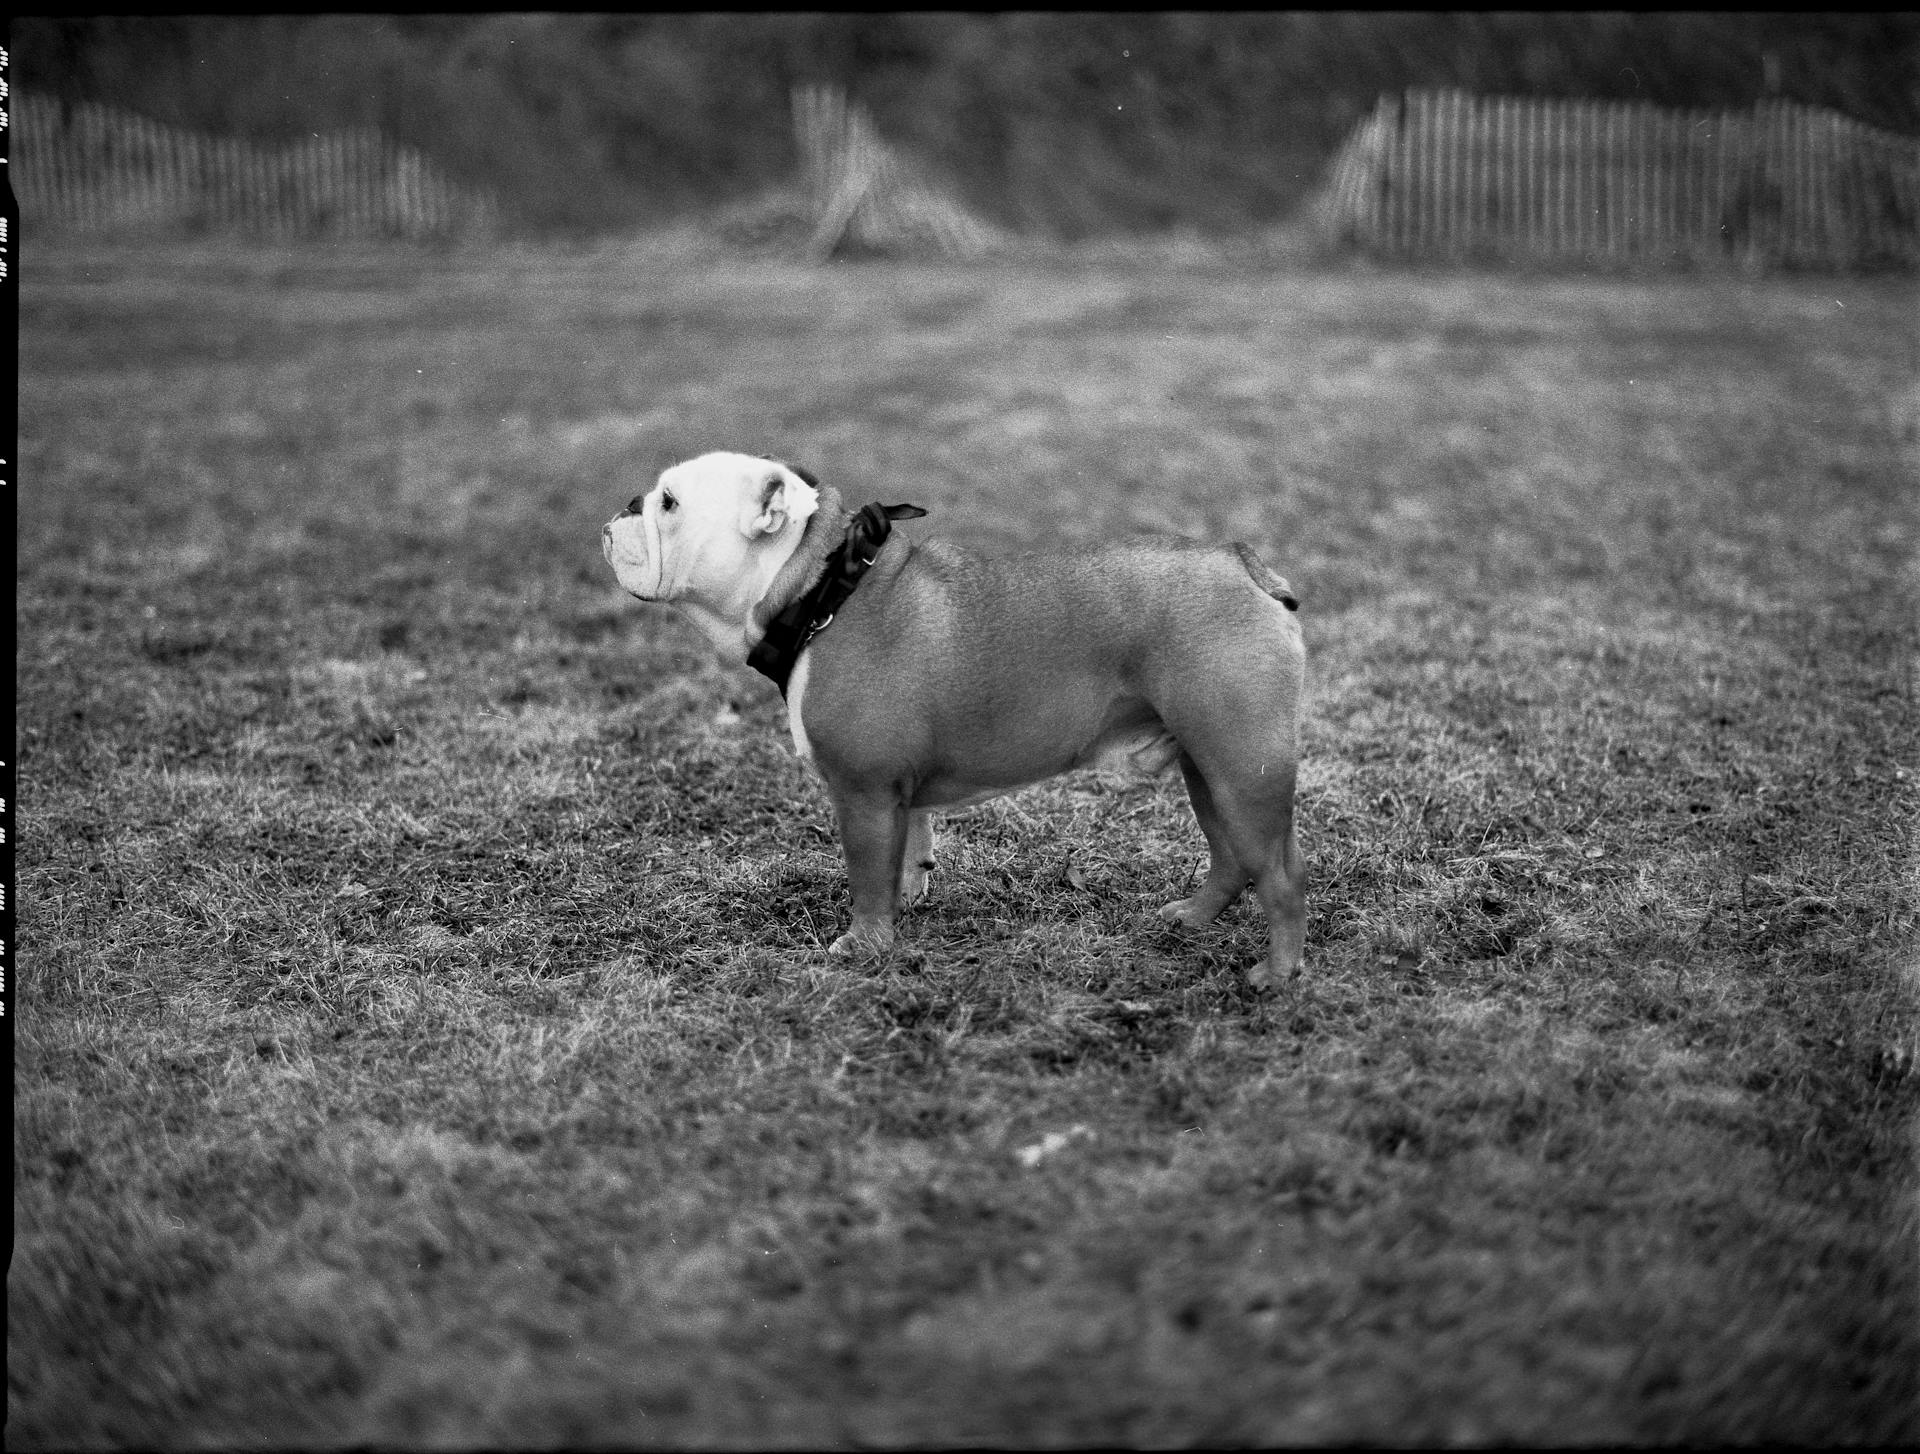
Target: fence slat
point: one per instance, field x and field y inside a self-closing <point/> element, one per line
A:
<point x="1633" y="161"/>
<point x="1677" y="181"/>
<point x="1459" y="194"/>
<point x="1506" y="197"/>
<point x="1619" y="179"/>
<point x="1421" y="184"/>
<point x="1580" y="221"/>
<point x="1558" y="177"/>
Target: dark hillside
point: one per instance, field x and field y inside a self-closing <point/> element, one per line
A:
<point x="1068" y="124"/>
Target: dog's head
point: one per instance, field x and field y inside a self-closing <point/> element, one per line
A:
<point x="708" y="527"/>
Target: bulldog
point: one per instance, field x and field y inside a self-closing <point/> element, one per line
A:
<point x="919" y="676"/>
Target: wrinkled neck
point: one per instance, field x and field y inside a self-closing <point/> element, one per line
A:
<point x="802" y="569"/>
<point x="736" y="622"/>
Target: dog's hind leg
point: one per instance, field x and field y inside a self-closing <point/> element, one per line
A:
<point x="1281" y="884"/>
<point x="1226" y="877"/>
<point x="1258" y="812"/>
<point x="1251" y="792"/>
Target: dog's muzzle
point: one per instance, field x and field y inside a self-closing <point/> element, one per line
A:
<point x="607" y="548"/>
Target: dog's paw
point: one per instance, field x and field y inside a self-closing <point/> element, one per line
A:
<point x="863" y="941"/>
<point x="1188" y="913"/>
<point x="913" y="884"/>
<point x="1266" y="976"/>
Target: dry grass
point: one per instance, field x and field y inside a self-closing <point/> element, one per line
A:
<point x="425" y="1035"/>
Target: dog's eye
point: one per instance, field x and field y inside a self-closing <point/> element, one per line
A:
<point x="667" y="502"/>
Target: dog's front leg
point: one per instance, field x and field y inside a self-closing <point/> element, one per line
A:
<point x="918" y="860"/>
<point x="873" y="831"/>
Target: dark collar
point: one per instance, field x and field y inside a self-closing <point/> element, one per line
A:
<point x="789" y="632"/>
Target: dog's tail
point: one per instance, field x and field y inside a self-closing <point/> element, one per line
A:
<point x="1264" y="577"/>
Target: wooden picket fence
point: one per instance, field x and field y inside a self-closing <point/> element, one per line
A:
<point x="864" y="193"/>
<point x="90" y="167"/>
<point x="1446" y="174"/>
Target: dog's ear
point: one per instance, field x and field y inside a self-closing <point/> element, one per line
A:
<point x="800" y="470"/>
<point x="786" y="494"/>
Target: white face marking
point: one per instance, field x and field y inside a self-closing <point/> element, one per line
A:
<point x="796" y="692"/>
<point x="710" y="538"/>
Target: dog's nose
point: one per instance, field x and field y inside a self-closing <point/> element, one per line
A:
<point x="635" y="505"/>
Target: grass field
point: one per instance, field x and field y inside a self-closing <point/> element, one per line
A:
<point x="424" y="1032"/>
